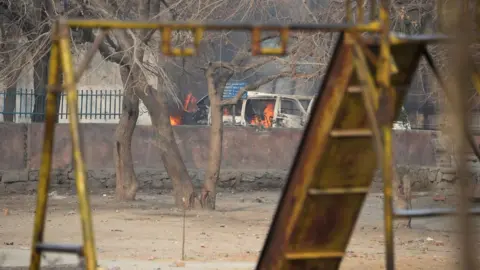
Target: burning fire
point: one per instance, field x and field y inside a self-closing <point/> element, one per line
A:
<point x="189" y="105"/>
<point x="175" y="120"/>
<point x="268" y="116"/>
<point x="225" y="111"/>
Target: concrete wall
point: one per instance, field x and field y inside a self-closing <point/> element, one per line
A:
<point x="251" y="159"/>
<point x="244" y="148"/>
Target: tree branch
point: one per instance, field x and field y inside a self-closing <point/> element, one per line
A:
<point x="236" y="68"/>
<point x="8" y="11"/>
<point x="144" y="15"/>
<point x="258" y="64"/>
<point x="254" y="86"/>
<point x="212" y="66"/>
<point x="112" y="43"/>
<point x="172" y="11"/>
<point x="90" y="54"/>
<point x="108" y="54"/>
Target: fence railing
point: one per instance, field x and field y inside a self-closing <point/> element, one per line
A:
<point x="96" y="106"/>
<point x="437" y="122"/>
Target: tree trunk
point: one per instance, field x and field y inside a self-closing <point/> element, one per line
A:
<point x="40" y="81"/>
<point x="126" y="180"/>
<point x="215" y="94"/>
<point x="156" y="103"/>
<point x="43" y="11"/>
<point x="10" y="102"/>
<point x="215" y="155"/>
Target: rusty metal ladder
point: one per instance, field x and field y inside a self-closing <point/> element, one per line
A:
<point x="350" y="129"/>
<point x="336" y="160"/>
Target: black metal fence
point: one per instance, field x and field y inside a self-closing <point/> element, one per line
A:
<point x="23" y="105"/>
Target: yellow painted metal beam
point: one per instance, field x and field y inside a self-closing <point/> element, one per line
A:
<point x="336" y="191"/>
<point x="221" y="26"/>
<point x="384" y="81"/>
<point x="313" y="255"/>
<point x="79" y="165"/>
<point x="46" y="160"/>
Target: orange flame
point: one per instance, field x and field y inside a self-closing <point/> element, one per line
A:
<point x="225" y="111"/>
<point x="256" y="121"/>
<point x="189" y="105"/>
<point x="175" y="120"/>
<point x="268" y="113"/>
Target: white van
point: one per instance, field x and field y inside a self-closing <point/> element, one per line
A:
<point x="286" y="111"/>
<point x="289" y="111"/>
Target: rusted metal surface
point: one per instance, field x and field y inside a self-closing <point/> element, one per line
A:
<point x="276" y="245"/>
<point x="306" y="230"/>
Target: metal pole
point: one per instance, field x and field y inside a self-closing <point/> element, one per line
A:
<point x="80" y="173"/>
<point x="47" y="152"/>
<point x="457" y="95"/>
<point x="387" y="170"/>
<point x="383" y="79"/>
<point x="463" y="20"/>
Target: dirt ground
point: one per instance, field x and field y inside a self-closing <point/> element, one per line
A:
<point x="151" y="229"/>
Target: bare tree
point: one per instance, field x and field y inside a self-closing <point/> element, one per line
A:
<point x="217" y="81"/>
<point x="33" y="19"/>
<point x="129" y="48"/>
<point x="25" y="36"/>
<point x="220" y="70"/>
<point x="11" y="65"/>
<point x="131" y="51"/>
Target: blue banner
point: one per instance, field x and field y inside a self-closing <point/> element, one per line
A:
<point x="232" y="88"/>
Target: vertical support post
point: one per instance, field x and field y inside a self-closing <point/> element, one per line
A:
<point x="466" y="226"/>
<point x="440" y="10"/>
<point x="80" y="174"/>
<point x="477" y="14"/>
<point x="383" y="79"/>
<point x="462" y="19"/>
<point x="373" y="9"/>
<point x="45" y="167"/>
<point x="348" y="4"/>
<point x="388" y="172"/>
<point x="360" y="11"/>
<point x="453" y="90"/>
<point x="383" y="149"/>
<point x="383" y="67"/>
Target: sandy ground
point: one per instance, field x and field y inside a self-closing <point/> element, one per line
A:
<point x="150" y="229"/>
